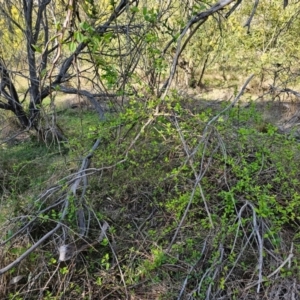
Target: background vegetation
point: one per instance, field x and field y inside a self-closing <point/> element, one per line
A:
<point x="149" y="149"/>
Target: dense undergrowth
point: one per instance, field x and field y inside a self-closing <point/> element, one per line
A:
<point x="197" y="209"/>
<point x="158" y="195"/>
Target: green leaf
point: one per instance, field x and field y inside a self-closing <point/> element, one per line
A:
<point x="43" y="73"/>
<point x="57" y="26"/>
<point x="37" y="48"/>
<point x="107" y="36"/>
<point x="134" y="9"/>
<point x="72" y="46"/>
<point x="85" y="26"/>
<point x="79" y="36"/>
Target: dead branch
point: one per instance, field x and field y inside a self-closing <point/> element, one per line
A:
<point x="233" y="8"/>
<point x="71" y="193"/>
<point x="248" y="23"/>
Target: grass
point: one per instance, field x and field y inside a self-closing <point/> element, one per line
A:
<point x="30" y="166"/>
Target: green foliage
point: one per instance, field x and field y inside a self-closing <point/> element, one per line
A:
<point x="248" y="168"/>
<point x="258" y="170"/>
<point x="189" y="202"/>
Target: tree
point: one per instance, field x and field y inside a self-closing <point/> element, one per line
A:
<point x="98" y="44"/>
<point x="44" y="28"/>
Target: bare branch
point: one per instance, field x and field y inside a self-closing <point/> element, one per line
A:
<point x="91" y="97"/>
<point x="31" y="249"/>
<point x="72" y="192"/>
<point x="233" y="8"/>
<point x="248" y="23"/>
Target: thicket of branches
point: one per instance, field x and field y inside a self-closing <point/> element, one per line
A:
<point x="133" y="52"/>
<point x="102" y="46"/>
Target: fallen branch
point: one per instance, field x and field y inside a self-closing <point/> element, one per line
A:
<point x="72" y="192"/>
